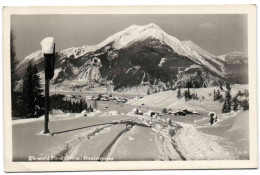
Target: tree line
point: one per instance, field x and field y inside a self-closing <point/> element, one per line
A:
<point x="187" y="94"/>
<point x="235" y="102"/>
<point x="57" y="101"/>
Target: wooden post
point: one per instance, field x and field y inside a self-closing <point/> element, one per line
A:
<point x="47" y="107"/>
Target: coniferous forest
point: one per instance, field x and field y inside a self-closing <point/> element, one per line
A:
<point x="58" y="102"/>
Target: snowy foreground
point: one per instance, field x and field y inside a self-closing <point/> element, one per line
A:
<point x="113" y="135"/>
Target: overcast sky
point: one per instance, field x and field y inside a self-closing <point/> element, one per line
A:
<point x="218" y="34"/>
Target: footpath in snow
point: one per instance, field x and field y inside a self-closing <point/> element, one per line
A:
<point x="130" y="137"/>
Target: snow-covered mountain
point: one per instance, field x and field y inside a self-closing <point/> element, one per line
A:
<point x="138" y="55"/>
<point x="234" y="58"/>
<point x="236" y="66"/>
<point x="76" y="52"/>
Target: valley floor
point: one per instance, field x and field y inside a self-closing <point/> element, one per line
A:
<point x="124" y="136"/>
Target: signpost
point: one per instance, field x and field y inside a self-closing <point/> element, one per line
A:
<point x="48" y="49"/>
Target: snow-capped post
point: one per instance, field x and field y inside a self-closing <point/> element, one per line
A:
<point x="48" y="50"/>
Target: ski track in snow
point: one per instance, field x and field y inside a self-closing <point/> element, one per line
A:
<point x="112" y="147"/>
<point x="69" y="151"/>
<point x="177" y="141"/>
<point x="166" y="148"/>
<point x="196" y="145"/>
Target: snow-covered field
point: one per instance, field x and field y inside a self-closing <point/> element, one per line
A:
<point x="54" y="116"/>
<point x="115" y="132"/>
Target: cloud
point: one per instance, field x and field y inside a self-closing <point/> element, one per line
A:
<point x="207" y="25"/>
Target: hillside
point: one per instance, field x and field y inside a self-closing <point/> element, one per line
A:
<point x="169" y="100"/>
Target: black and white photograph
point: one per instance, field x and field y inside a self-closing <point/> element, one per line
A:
<point x="131" y="87"/>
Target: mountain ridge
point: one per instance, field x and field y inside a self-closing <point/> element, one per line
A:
<point x="131" y="46"/>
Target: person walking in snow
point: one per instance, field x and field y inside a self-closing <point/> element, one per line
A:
<point x="213" y="117"/>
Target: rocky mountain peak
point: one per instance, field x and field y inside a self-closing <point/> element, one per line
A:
<point x="140" y="55"/>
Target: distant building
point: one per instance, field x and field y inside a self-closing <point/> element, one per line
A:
<point x="182" y="112"/>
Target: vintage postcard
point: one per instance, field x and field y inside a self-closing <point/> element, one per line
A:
<point x="130" y="88"/>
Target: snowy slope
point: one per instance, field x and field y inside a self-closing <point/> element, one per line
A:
<point x="168" y="99"/>
<point x="35" y="56"/>
<point x="203" y="53"/>
<point x="137" y="33"/>
<point x="67" y="53"/>
<point x="76" y="51"/>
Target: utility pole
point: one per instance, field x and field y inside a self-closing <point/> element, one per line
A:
<point x="48" y="49"/>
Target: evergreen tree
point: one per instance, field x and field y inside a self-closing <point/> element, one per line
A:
<point x="196" y="96"/>
<point x="188" y="94"/>
<point x="246" y="93"/>
<point x="220" y="85"/>
<point x="37" y="93"/>
<point x="27" y="97"/>
<point x="179" y="93"/>
<point x="81" y="106"/>
<point x="69" y="106"/>
<point x="228" y="87"/>
<point x="224" y="107"/>
<point x="219" y="95"/>
<point x="148" y="92"/>
<point x="197" y="80"/>
<point x="15" y="99"/>
<point x="227" y="103"/>
<point x="235" y="103"/>
<point x="13" y="62"/>
<point x="245" y="105"/>
<point x="32" y="101"/>
<point x="73" y="107"/>
<point x="188" y="84"/>
<point x="76" y="109"/>
<point x="164" y="111"/>
<point x="90" y="109"/>
<point x="78" y="106"/>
